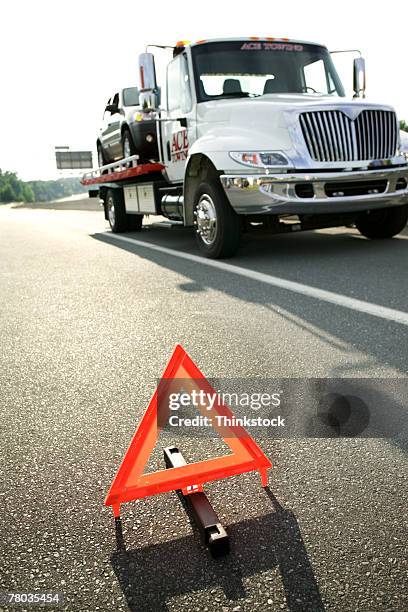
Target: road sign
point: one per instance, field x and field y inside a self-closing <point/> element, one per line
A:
<point x="130" y="483"/>
<point x="72" y="160"/>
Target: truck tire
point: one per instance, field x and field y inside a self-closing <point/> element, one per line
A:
<point x="218" y="227"/>
<point x="115" y="205"/>
<point x="383" y="223"/>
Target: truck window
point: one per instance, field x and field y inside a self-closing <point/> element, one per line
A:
<point x="249" y="68"/>
<point x="178" y="85"/>
<point x="315" y="78"/>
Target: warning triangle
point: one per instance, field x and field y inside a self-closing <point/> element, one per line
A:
<point x="130" y="483"/>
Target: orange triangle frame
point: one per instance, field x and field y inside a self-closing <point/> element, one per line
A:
<point x="130" y="483"/>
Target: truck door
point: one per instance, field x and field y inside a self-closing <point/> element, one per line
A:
<point x="177" y="138"/>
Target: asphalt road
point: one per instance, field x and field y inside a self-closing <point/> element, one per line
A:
<point x="88" y="323"/>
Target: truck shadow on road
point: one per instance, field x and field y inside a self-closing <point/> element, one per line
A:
<point x="150" y="576"/>
<point x="367" y="341"/>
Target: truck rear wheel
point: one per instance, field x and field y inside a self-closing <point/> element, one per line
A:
<point x="218" y="227"/>
<point x="116" y="211"/>
<point x="383" y="223"/>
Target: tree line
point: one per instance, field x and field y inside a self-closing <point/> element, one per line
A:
<point x="12" y="189"/>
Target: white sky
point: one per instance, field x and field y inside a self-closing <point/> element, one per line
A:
<point x="61" y="60"/>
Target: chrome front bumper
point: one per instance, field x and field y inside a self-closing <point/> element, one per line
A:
<point x="276" y="193"/>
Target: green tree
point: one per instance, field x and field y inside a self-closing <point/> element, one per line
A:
<point x="7" y="193"/>
<point x="28" y="194"/>
<point x="403" y="125"/>
<point x="12" y="189"/>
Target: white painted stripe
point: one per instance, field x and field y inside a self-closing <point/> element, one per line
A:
<point x="398" y="316"/>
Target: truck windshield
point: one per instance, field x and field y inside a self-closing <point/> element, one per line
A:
<point x="246" y="69"/>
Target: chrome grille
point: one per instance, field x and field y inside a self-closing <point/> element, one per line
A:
<point x="332" y="136"/>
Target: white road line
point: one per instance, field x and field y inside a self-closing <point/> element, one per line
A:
<point x="375" y="310"/>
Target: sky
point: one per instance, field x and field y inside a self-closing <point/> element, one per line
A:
<point x="61" y="60"/>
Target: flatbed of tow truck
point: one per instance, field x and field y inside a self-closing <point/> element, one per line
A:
<point x="122" y="170"/>
<point x="129" y="190"/>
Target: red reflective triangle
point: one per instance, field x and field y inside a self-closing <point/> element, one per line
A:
<point x="130" y="483"/>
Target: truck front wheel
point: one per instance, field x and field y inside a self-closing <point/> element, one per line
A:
<point x="383" y="223"/>
<point x="218" y="227"/>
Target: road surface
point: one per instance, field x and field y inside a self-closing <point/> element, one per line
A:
<point x="88" y="322"/>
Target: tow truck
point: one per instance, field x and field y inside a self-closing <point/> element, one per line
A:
<point x="257" y="134"/>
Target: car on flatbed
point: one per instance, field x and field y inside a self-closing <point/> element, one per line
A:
<point x="125" y="131"/>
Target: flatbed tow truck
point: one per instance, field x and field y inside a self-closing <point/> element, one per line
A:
<point x="257" y="134"/>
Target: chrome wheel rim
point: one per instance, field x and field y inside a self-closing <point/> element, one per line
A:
<point x="111" y="212"/>
<point x="206" y="219"/>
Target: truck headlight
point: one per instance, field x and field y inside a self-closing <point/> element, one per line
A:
<point x="260" y="159"/>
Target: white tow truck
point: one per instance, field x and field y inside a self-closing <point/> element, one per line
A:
<point x="257" y="134"/>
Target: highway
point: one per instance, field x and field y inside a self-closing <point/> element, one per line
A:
<point x="88" y="322"/>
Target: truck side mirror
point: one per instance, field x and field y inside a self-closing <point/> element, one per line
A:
<point x="147" y="71"/>
<point x="149" y="95"/>
<point x="359" y="77"/>
<point x="112" y="108"/>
